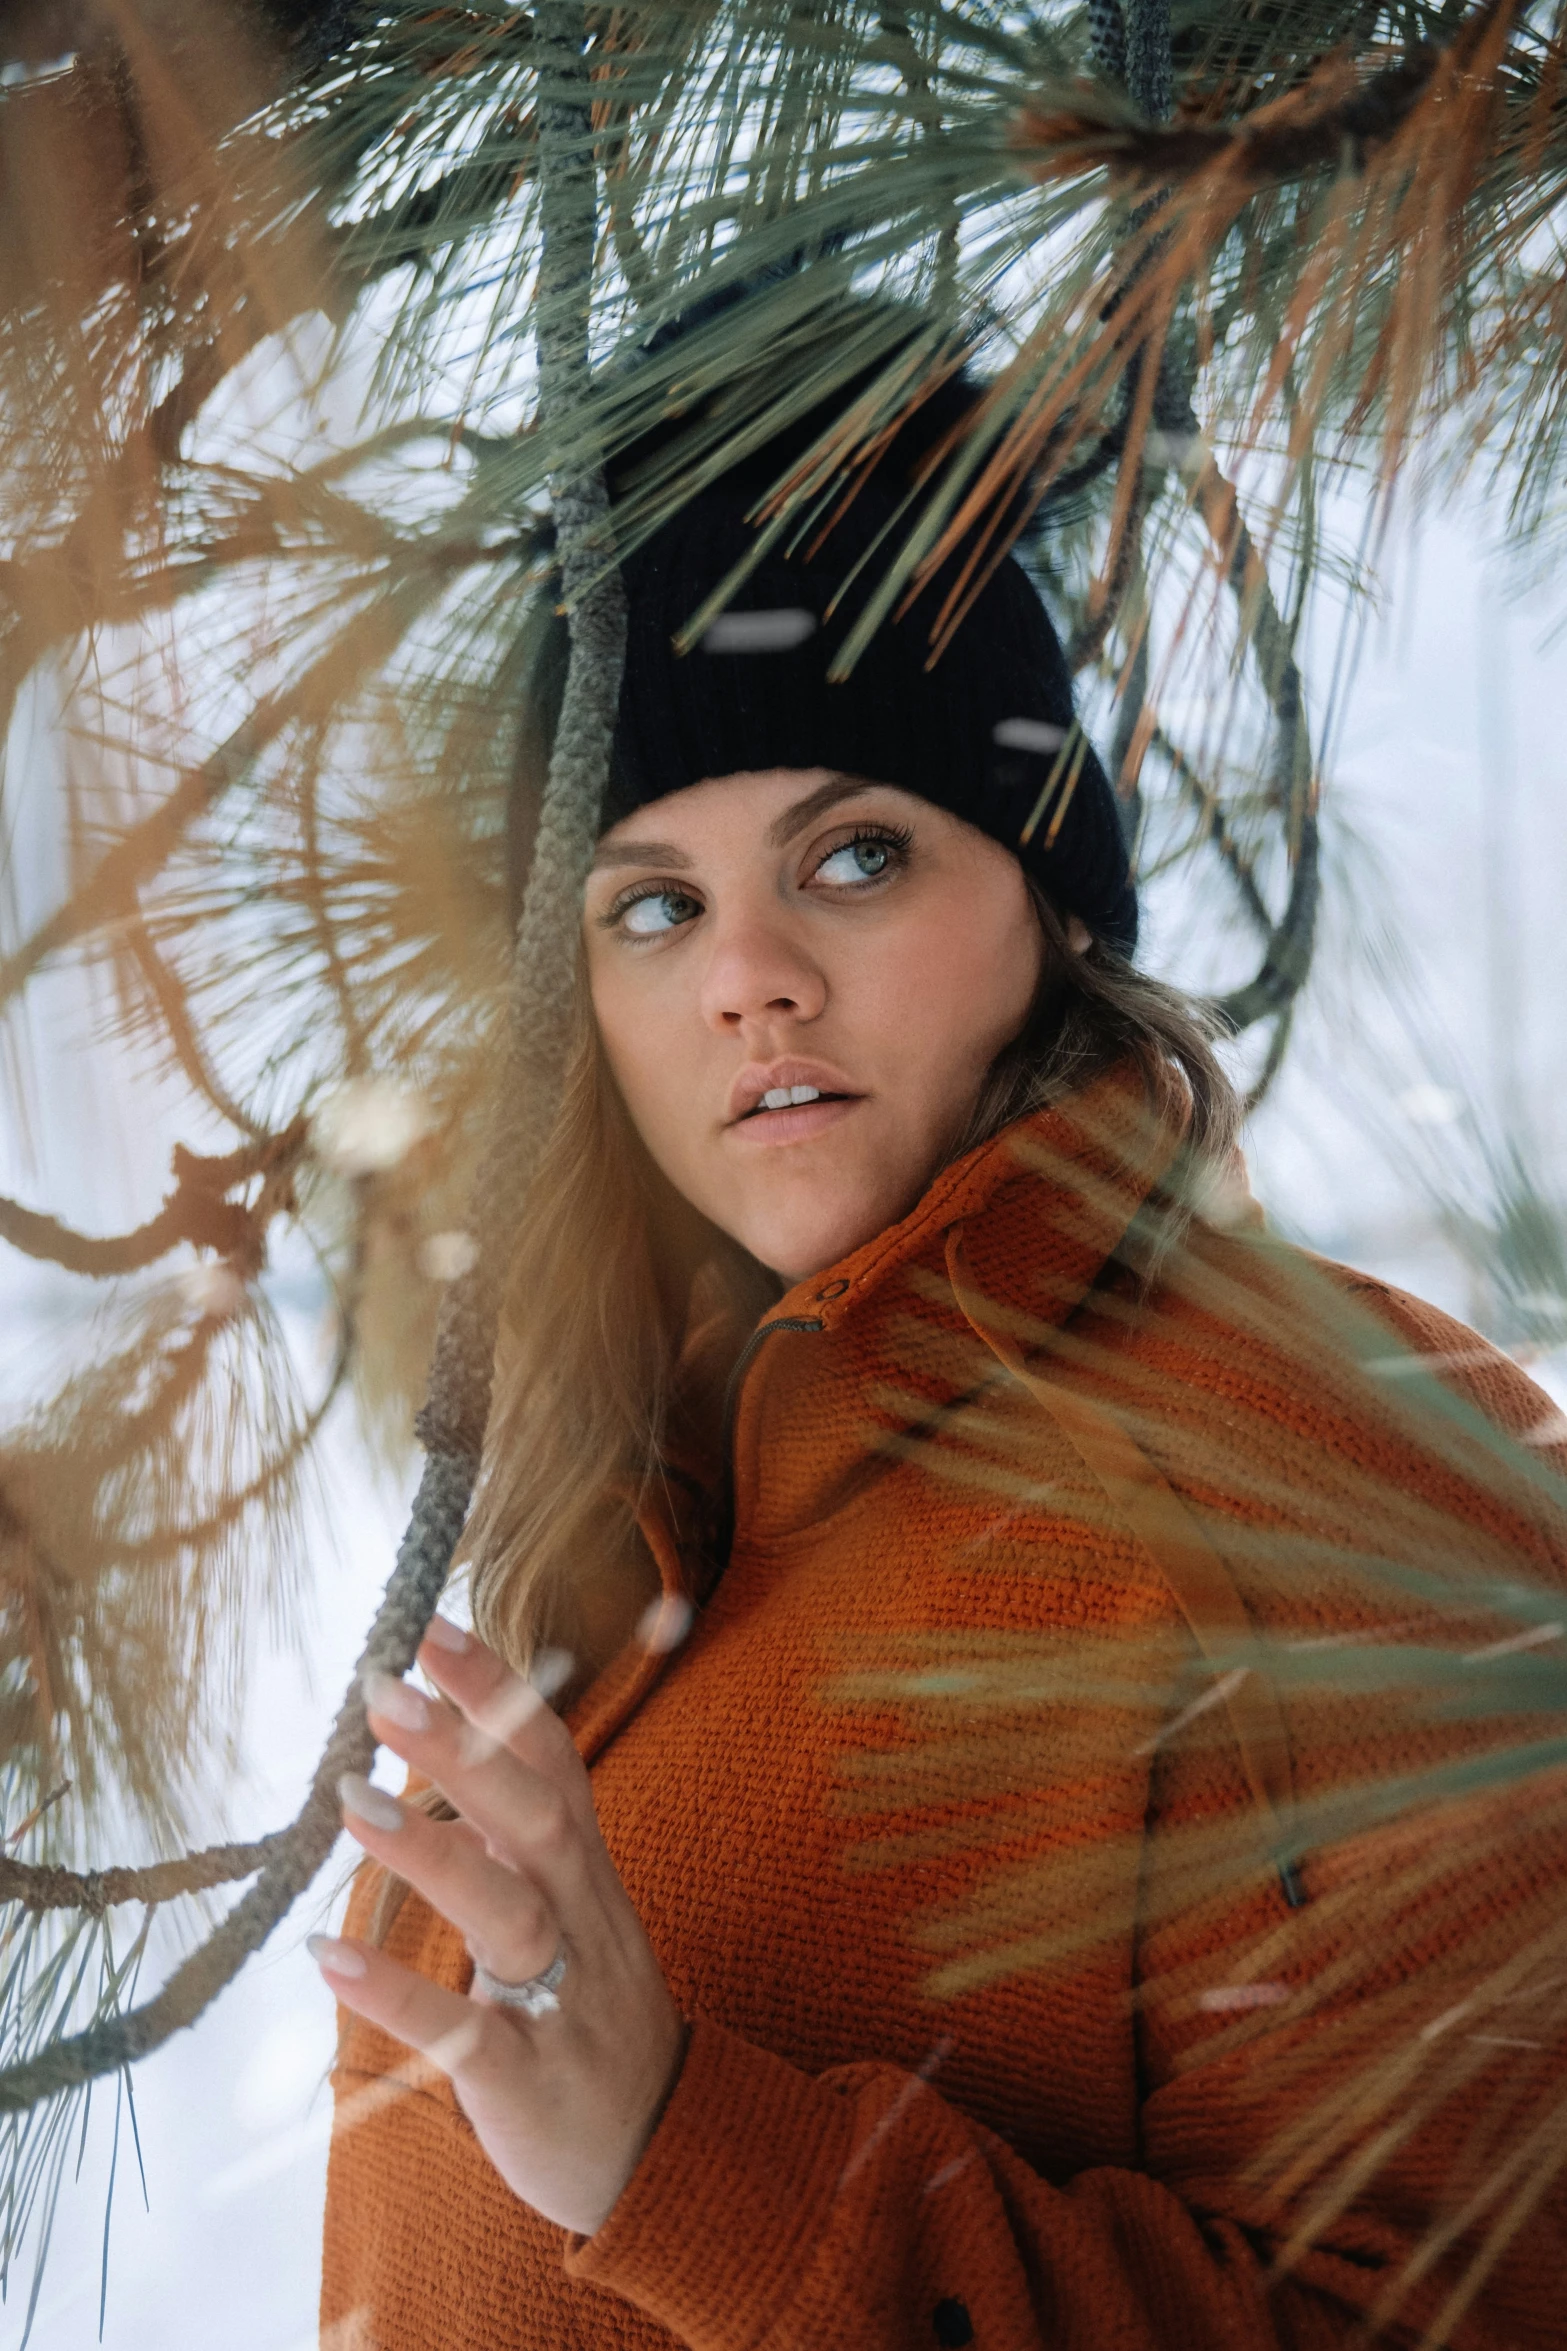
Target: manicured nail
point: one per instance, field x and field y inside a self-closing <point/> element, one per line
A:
<point x="368" y="1802"/>
<point x="441" y="1633"/>
<point x="385" y="1694"/>
<point x="333" y="1957"/>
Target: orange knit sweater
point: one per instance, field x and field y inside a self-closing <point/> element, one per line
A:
<point x="1022" y="1904"/>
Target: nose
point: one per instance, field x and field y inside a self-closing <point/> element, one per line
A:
<point x="760" y="974"/>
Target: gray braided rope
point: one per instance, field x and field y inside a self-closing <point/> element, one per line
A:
<point x="452" y="1421"/>
<point x="1129" y="41"/>
<point x="44" y="1886"/>
<point x="1149" y="68"/>
<point x="1107" y="39"/>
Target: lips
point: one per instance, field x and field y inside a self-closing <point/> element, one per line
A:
<point x="760" y="1079"/>
<point x="802" y="1122"/>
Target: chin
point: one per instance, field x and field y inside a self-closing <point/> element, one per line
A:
<point x="795" y="1248"/>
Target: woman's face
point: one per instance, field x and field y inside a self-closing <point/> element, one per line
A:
<point x="801" y="981"/>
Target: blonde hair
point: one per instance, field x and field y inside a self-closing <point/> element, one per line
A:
<point x="625" y="1308"/>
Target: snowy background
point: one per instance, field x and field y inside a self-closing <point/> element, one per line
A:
<point x="1444" y="784"/>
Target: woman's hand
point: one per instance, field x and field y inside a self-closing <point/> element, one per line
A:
<point x="564" y="2104"/>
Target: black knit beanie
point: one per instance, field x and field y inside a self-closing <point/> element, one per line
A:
<point x="986" y="731"/>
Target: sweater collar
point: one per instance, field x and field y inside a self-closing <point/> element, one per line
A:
<point x="1079" y="1171"/>
<point x="1042" y="1206"/>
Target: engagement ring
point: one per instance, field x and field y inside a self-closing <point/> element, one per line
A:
<point x="537" y="1997"/>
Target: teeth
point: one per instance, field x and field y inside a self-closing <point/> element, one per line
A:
<point x="788" y="1097"/>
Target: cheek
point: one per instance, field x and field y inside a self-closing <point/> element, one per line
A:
<point x="648" y="1039"/>
<point x="962" y="989"/>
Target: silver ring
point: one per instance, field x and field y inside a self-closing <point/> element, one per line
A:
<point x="539" y="1996"/>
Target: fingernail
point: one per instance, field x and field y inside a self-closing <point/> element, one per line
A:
<point x="369" y="1803"/>
<point x="385" y="1694"/>
<point x="333" y="1957"/>
<point x="441" y="1633"/>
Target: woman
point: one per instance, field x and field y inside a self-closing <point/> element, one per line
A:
<point x="944" y="1908"/>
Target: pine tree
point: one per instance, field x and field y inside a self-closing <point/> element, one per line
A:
<point x="1204" y="257"/>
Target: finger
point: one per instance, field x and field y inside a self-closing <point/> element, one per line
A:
<point x="503" y="1706"/>
<point x="453" y="2033"/>
<point x="504" y="1918"/>
<point x="525" y="1819"/>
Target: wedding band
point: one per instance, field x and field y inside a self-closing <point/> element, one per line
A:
<point x="537" y="1997"/>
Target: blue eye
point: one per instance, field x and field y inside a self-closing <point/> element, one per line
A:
<point x="658" y="912"/>
<point x="856" y="861"/>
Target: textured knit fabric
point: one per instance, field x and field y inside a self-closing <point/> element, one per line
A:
<point x="961" y="1845"/>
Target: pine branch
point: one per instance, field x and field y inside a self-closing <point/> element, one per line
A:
<point x="1215" y="827"/>
<point x="41" y="1886"/>
<point x="1324" y="127"/>
<point x="453" y="1420"/>
<point x="169" y="998"/>
<point x="45" y="591"/>
<point x="196" y="1534"/>
<point x="196" y="1211"/>
<point x="140" y="852"/>
<point x="1133" y="723"/>
<point x="107" y="1626"/>
<point x="1287" y="958"/>
<point x="1278" y="1046"/>
<point x="1289" y="941"/>
<point x="1164" y="402"/>
<point x="1108" y="593"/>
<point x="403" y="235"/>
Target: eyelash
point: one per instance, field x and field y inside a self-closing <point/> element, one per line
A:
<point x="634" y="896"/>
<point x="897" y="837"/>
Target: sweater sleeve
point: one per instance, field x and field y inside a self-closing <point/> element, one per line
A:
<point x="861" y="2208"/>
<point x="774" y="2211"/>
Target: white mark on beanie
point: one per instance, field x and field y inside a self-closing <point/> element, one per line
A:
<point x="760" y="632"/>
<point x="1027" y="734"/>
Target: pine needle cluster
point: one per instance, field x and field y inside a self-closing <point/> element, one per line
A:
<point x="281" y="521"/>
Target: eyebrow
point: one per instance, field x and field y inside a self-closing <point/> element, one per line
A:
<point x="780" y="832"/>
<point x="803" y="812"/>
<point x="639" y="853"/>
